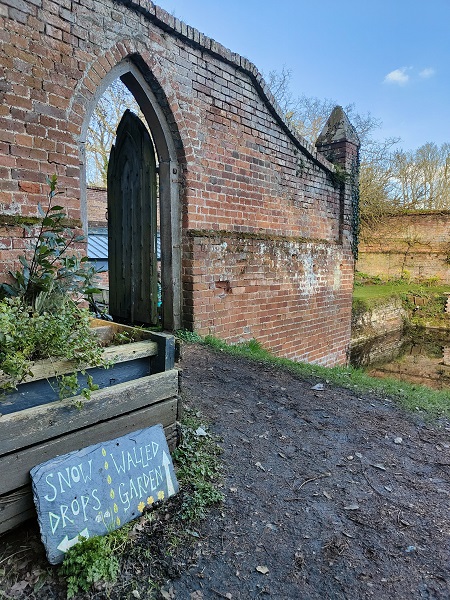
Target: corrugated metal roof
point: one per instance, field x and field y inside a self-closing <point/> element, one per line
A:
<point x="97" y="247"/>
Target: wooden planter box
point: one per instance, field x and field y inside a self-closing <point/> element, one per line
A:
<point x="139" y="391"/>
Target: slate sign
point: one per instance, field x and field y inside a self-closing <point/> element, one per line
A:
<point x="99" y="488"/>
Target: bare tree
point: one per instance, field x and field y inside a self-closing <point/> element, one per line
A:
<point x="422" y="178"/>
<point x="102" y="130"/>
<point x="308" y="115"/>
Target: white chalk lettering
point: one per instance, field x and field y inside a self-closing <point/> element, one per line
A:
<point x="94" y="495"/>
<point x="75" y="507"/>
<point x="159" y="475"/>
<point x="124" y="497"/>
<point x="67" y="481"/>
<point x="84" y="503"/>
<point x="64" y="508"/>
<point x="55" y="491"/>
<point x="87" y="477"/>
<point x="130" y="461"/>
<point x="54" y="521"/>
<point x="120" y="467"/>
<point x="75" y="474"/>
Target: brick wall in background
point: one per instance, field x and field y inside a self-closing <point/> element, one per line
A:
<point x="97" y="207"/>
<point x="267" y="232"/>
<point x="417" y="245"/>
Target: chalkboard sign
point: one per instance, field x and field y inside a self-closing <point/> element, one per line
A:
<point x="100" y="488"/>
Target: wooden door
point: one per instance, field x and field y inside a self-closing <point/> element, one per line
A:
<point x="132" y="226"/>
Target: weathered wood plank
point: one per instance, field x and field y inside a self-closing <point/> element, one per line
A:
<point x="43" y="391"/>
<point x="15" y="467"/>
<point x="164" y="359"/>
<point x="131" y="351"/>
<point x="45" y="369"/>
<point x="107" y="330"/>
<point x="34" y="425"/>
<point x="16" y="520"/>
<point x="18" y="506"/>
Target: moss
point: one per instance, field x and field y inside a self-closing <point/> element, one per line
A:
<point x="20" y="221"/>
<point x="259" y="236"/>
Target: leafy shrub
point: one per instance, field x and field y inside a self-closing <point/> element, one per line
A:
<point x="39" y="314"/>
<point x="49" y="273"/>
<point x="27" y="335"/>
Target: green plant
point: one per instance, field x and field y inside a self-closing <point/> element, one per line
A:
<point x="93" y="560"/>
<point x="39" y="314"/>
<point x="198" y="468"/>
<point x="188" y="336"/>
<point x="27" y="336"/>
<point x="49" y="272"/>
<point x="339" y="176"/>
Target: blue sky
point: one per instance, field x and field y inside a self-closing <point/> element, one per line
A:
<point x="389" y="57"/>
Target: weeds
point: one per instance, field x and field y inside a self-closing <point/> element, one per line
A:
<point x="92" y="561"/>
<point x="198" y="467"/>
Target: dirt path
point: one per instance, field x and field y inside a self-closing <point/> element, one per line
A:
<point x="320" y="491"/>
<point x="323" y="498"/>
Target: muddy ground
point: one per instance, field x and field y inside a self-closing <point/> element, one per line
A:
<point x="329" y="494"/>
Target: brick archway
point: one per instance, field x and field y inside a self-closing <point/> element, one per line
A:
<point x="169" y="157"/>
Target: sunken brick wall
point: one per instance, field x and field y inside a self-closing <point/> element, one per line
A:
<point x="416" y="244"/>
<point x="97" y="207"/>
<point x="266" y="234"/>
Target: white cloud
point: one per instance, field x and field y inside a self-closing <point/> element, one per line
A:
<point x="427" y="73"/>
<point x="399" y="76"/>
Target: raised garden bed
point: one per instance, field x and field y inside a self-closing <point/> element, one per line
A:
<point x="139" y="391"/>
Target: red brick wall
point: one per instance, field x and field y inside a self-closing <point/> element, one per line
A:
<point x="417" y="245"/>
<point x="97" y="207"/>
<point x="260" y="210"/>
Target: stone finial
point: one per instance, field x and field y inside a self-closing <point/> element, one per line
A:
<point x="338" y="129"/>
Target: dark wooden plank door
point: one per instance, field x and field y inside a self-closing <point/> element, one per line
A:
<point x="132" y="225"/>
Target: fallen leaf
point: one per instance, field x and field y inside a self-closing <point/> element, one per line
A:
<point x="352" y="506"/>
<point x="379" y="466"/>
<point x="200" y="432"/>
<point x="349" y="535"/>
<point x="318" y="386"/>
<point x="262" y="569"/>
<point x="18" y="588"/>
